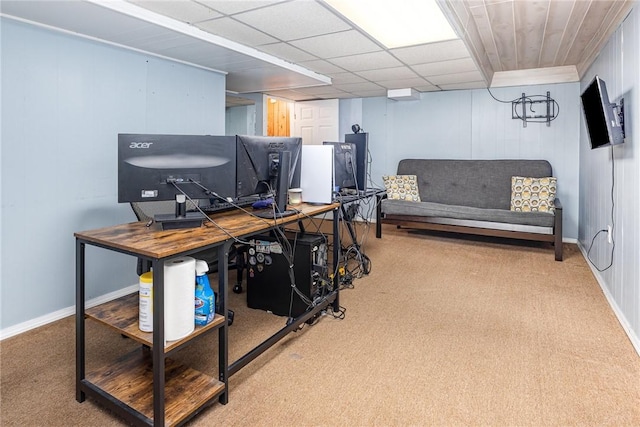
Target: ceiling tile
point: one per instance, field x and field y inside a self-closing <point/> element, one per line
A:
<point x="236" y="31"/>
<point x="432" y="52"/>
<point x="469" y="76"/>
<point x="426" y="88"/>
<point x="337" y="44"/>
<point x="464" y="86"/>
<point x="445" y="67"/>
<point x="229" y="7"/>
<point x="311" y="19"/>
<point x="293" y="95"/>
<point x="402" y="83"/>
<point x="321" y="90"/>
<point x="322" y="67"/>
<point x="264" y="78"/>
<point x="370" y="93"/>
<point x="236" y="101"/>
<point x="344" y="78"/>
<point x="185" y="11"/>
<point x="388" y="74"/>
<point x="358" y="87"/>
<point x="366" y="61"/>
<point x="286" y="51"/>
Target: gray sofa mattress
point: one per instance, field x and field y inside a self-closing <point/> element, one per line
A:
<point x="430" y="209"/>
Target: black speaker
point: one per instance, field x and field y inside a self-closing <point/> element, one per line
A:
<point x="361" y="141"/>
<point x="268" y="281"/>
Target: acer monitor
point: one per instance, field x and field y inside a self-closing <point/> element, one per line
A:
<point x="258" y="165"/>
<point x="168" y="167"/>
<point x="604" y="120"/>
<point x="344" y="164"/>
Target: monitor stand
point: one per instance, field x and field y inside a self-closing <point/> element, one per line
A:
<point x="172" y="222"/>
<point x="282" y="188"/>
<point x="181" y="218"/>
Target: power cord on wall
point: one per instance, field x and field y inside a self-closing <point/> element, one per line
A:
<point x="613" y="241"/>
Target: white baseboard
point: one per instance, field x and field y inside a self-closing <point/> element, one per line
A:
<point x="635" y="340"/>
<point x="61" y="314"/>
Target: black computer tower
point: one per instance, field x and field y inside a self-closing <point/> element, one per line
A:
<point x="268" y="281"/>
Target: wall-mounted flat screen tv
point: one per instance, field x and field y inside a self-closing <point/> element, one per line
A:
<point x="605" y="124"/>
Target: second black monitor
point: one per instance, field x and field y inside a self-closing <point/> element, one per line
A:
<point x="344" y="164"/>
<point x="258" y="166"/>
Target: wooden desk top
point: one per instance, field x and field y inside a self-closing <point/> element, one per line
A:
<point x="153" y="242"/>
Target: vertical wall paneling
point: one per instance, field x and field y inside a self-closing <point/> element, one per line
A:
<point x="64" y="100"/>
<point x="600" y="169"/>
<point x="470" y="124"/>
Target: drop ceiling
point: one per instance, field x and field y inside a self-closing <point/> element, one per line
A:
<point x="303" y="49"/>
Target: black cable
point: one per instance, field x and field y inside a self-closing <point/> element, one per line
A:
<point x="207" y="216"/>
<point x="613" y="241"/>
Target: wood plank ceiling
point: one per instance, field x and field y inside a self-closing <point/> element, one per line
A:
<point x="502" y="42"/>
<point x="529" y="36"/>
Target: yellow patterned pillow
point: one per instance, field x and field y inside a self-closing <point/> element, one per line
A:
<point x="533" y="194"/>
<point x="402" y="187"/>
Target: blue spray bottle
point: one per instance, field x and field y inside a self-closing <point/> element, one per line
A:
<point x="205" y="304"/>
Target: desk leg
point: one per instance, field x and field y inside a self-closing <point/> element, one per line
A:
<point x="336" y="259"/>
<point x="223" y="332"/>
<point x="378" y="216"/>
<point x="158" y="343"/>
<point x="80" y="331"/>
<point x="350" y="229"/>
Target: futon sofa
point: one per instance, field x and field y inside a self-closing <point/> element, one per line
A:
<point x="503" y="198"/>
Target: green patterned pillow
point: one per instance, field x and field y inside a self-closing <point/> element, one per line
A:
<point x="402" y="187"/>
<point x="533" y="194"/>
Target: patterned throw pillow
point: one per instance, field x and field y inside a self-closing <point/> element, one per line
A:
<point x="402" y="187"/>
<point x="533" y="194"/>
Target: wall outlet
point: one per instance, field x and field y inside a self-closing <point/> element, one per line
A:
<point x="609" y="234"/>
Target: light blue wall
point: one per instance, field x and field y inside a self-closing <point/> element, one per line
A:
<point x="64" y="101"/>
<point x="470" y="124"/>
<point x="240" y="120"/>
<point x="618" y="168"/>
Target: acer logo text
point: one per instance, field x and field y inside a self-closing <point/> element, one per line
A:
<point x="140" y="144"/>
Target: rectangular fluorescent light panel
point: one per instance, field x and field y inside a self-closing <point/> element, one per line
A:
<point x="397" y="23"/>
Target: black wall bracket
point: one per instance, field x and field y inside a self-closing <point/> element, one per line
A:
<point x="534" y="108"/>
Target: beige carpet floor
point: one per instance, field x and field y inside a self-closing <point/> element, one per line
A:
<point x="445" y="331"/>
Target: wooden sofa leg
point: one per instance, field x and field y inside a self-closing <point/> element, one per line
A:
<point x="557" y="231"/>
<point x="558" y="250"/>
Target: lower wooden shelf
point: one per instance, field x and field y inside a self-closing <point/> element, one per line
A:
<point x="122" y="315"/>
<point x="130" y="380"/>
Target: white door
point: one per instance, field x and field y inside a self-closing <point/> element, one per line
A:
<point x="317" y="121"/>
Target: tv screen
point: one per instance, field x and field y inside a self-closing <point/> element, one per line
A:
<point x="150" y="165"/>
<point x="603" y="123"/>
<point x="258" y="163"/>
